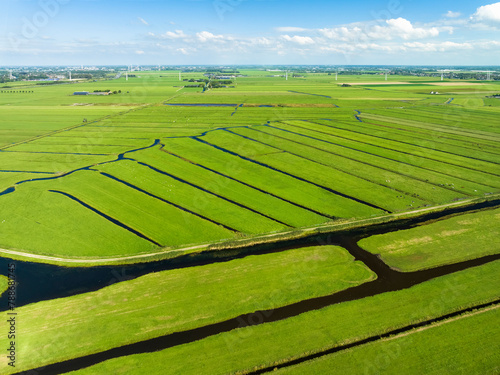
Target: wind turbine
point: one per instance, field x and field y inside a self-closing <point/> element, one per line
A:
<point x="488" y="75"/>
<point x="386" y="73"/>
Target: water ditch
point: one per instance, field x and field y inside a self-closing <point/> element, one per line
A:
<point x="367" y="133"/>
<point x="289" y="174"/>
<point x="373" y="338"/>
<point x="356" y="160"/>
<point x="211" y="193"/>
<point x="166" y="201"/>
<point x="421" y="135"/>
<point x="357" y="116"/>
<point x="390" y="149"/>
<point x="105" y="216"/>
<point x="12" y="189"/>
<point x="245" y="184"/>
<point x="349" y="172"/>
<point x="39" y="282"/>
<point x="236" y="109"/>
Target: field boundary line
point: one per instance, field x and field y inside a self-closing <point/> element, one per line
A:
<point x="464" y="313"/>
<point x="438" y="324"/>
<point x="71" y="127"/>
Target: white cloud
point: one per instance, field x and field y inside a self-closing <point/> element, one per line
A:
<point x="344" y="33"/>
<point x="439" y="47"/>
<point x="290" y="29"/>
<point x="177" y="34"/>
<point x="143" y="21"/>
<point x="490" y="44"/>
<point x="186" y="51"/>
<point x="487" y="13"/>
<point x="261" y="41"/>
<point x="358" y="42"/>
<point x="406" y="30"/>
<point x="302" y="40"/>
<point x="391" y="29"/>
<point x="206" y="36"/>
<point x="452" y="14"/>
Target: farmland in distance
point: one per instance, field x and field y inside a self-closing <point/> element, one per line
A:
<point x="293" y="224"/>
<point x="267" y="156"/>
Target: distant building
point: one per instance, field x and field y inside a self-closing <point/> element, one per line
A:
<point x="81" y="93"/>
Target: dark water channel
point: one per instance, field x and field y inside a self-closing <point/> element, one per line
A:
<point x="39" y="282"/>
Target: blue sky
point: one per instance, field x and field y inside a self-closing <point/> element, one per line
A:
<point x="196" y="32"/>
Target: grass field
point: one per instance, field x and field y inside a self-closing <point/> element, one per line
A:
<point x="251" y="348"/>
<point x="446" y="347"/>
<point x="178" y="300"/>
<point x="159" y="171"/>
<point x="448" y="241"/>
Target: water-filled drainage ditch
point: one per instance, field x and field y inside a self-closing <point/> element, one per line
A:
<point x="38" y="282"/>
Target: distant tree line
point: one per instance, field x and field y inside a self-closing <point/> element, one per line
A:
<point x="16" y="92"/>
<point x="222" y="83"/>
<point x="196" y="80"/>
<point x="113" y="92"/>
<point x="222" y="71"/>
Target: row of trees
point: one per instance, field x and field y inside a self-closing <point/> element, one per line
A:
<point x="16" y="92"/>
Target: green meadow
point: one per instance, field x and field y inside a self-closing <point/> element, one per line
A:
<point x="173" y="301"/>
<point x="447" y="241"/>
<point x="446" y="347"/>
<point x="282" y="155"/>
<point x="251" y="348"/>
<point x="159" y="171"/>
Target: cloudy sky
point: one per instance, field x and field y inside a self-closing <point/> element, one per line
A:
<point x="195" y="32"/>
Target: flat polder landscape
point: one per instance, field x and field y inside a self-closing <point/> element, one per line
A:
<point x="251" y="221"/>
